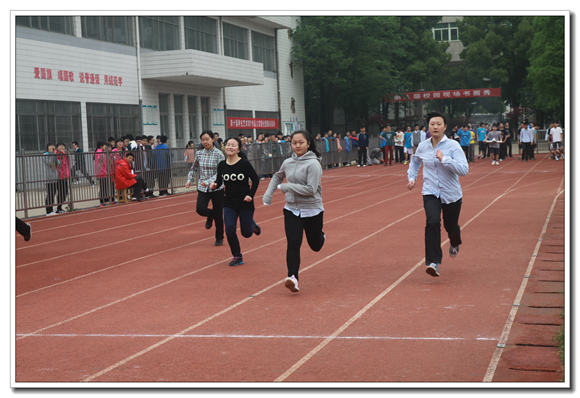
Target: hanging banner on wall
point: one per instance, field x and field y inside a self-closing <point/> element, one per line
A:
<point x="252" y="123"/>
<point x="446" y="94"/>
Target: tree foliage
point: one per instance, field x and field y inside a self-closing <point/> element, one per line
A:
<point x="352" y="62"/>
<point x="546" y="70"/>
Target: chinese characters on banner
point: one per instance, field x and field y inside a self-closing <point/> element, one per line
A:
<point x="446" y="94"/>
<point x="252" y="123"/>
<point x="83" y="77"/>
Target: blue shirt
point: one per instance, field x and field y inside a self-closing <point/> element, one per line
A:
<point x="465" y="137"/>
<point x="408" y="140"/>
<point x="481" y="134"/>
<point x="440" y="178"/>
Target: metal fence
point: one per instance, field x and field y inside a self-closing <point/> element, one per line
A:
<point x="90" y="175"/>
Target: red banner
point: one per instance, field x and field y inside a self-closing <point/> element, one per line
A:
<point x="252" y="123"/>
<point x="446" y="94"/>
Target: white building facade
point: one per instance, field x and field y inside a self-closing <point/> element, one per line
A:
<point x="89" y="78"/>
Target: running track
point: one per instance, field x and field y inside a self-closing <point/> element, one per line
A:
<point x="138" y="293"/>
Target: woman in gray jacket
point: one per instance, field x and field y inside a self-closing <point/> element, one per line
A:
<point x="304" y="210"/>
<point x="51" y="164"/>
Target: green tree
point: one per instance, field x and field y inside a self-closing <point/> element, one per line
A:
<point x="496" y="47"/>
<point x="352" y="62"/>
<point x="546" y="70"/>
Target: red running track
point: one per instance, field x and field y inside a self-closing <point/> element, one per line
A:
<point x="138" y="292"/>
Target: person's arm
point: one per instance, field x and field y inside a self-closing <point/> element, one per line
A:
<point x="251" y="173"/>
<point x="456" y="161"/>
<point x="312" y="182"/>
<point x="277" y="178"/>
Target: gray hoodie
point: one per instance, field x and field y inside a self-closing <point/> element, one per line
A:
<point x="51" y="163"/>
<point x="302" y="189"/>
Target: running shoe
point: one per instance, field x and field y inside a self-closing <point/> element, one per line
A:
<point x="257" y="229"/>
<point x="53" y="213"/>
<point x="236" y="261"/>
<point x="453" y="251"/>
<point x="433" y="269"/>
<point x="208" y="222"/>
<point x="60" y="212"/>
<point x="292" y="284"/>
<point x="103" y="205"/>
<point x="219" y="242"/>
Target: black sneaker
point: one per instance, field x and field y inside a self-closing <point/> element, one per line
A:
<point x="219" y="242"/>
<point x="257" y="229"/>
<point x="433" y="269"/>
<point x="236" y="261"/>
<point x="453" y="251"/>
<point x="208" y="222"/>
<point x="27" y="237"/>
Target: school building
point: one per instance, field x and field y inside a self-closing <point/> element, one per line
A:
<point x="88" y="78"/>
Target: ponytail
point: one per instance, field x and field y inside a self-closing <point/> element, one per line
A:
<point x="311" y="143"/>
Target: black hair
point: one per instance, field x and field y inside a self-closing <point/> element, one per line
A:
<point x="188" y="144"/>
<point x="237" y="139"/>
<point x="100" y="144"/>
<point x="431" y="115"/>
<point x="119" y="139"/>
<point x="111" y="139"/>
<point x="129" y="136"/>
<point x="129" y="154"/>
<point x="208" y="132"/>
<point x="49" y="144"/>
<point x="60" y="143"/>
<point x="311" y="143"/>
<point x="163" y="139"/>
<point x="76" y="143"/>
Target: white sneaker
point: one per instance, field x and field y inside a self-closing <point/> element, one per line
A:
<point x="51" y="214"/>
<point x="359" y="164"/>
<point x="557" y="158"/>
<point x="292" y="284"/>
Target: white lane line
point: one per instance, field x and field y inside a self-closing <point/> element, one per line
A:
<point x="320" y="346"/>
<point x="251" y="336"/>
<point x="512" y="315"/>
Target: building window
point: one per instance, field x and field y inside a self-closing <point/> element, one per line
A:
<point x="178" y="110"/>
<point x="111" y="29"/>
<point x="264" y="51"/>
<point x="159" y="33"/>
<point x="51" y="24"/>
<point x="201" y="34"/>
<point x="111" y="120"/>
<point x="446" y="32"/>
<point x="41" y="122"/>
<point x="192" y="111"/>
<point x="164" y="114"/>
<point x="235" y="41"/>
<point x="205" y="119"/>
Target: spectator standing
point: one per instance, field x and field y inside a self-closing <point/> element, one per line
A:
<point x="416" y="138"/>
<point x="464" y="139"/>
<point x="102" y="174"/>
<point x="235" y="173"/>
<point x="363" y="144"/>
<point x="494" y="139"/>
<point x="80" y="164"/>
<point x="526" y="140"/>
<point x="206" y="164"/>
<point x="408" y="144"/>
<point x="63" y="176"/>
<point x="503" y="145"/>
<point x="443" y="161"/>
<point x="557" y="140"/>
<point x="304" y="210"/>
<point x="162" y="157"/>
<point x="481" y="133"/>
<point x="533" y="145"/>
<point x="472" y="145"/>
<point x="389" y="139"/>
<point x="509" y="139"/>
<point x="399" y="141"/>
<point x="189" y="154"/>
<point x="51" y="163"/>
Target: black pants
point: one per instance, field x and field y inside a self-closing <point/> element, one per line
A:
<point x="246" y="227"/>
<point x="22" y="228"/>
<point x="104" y="190"/>
<point x="51" y="189"/>
<point x="433" y="208"/>
<point x="138" y="187"/>
<point x="526" y="148"/>
<point x="295" y="228"/>
<point x="502" y="151"/>
<point x="163" y="177"/>
<point x="362" y="155"/>
<point x="509" y="147"/>
<point x="399" y="154"/>
<point x="217" y="213"/>
<point x="62" y="193"/>
<point x="466" y="152"/>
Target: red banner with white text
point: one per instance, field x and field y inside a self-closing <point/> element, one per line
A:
<point x="446" y="94"/>
<point x="252" y="123"/>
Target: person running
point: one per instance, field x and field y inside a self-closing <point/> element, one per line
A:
<point x="206" y="161"/>
<point x="235" y="173"/>
<point x="303" y="212"/>
<point x="443" y="161"/>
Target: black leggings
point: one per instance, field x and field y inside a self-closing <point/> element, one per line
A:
<point x="217" y="213"/>
<point x="433" y="207"/>
<point x="295" y="228"/>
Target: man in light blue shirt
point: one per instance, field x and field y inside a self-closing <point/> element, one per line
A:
<point x="526" y="140"/>
<point x="443" y="161"/>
